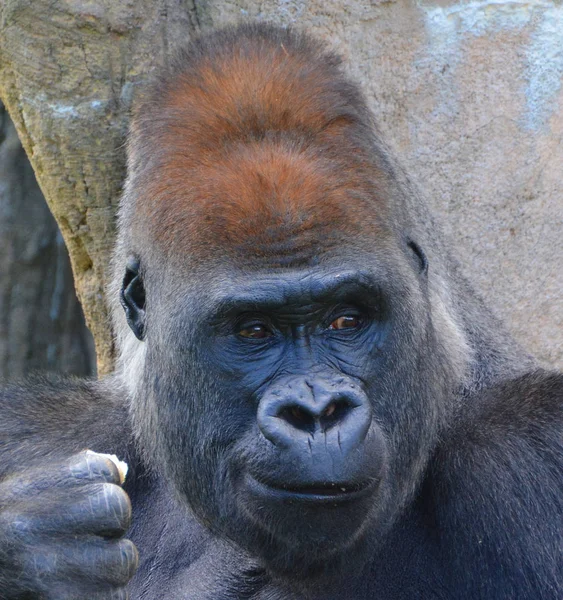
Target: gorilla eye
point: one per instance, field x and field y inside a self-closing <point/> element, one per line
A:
<point x="258" y="331"/>
<point x="346" y="322"/>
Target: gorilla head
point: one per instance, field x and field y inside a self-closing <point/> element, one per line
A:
<point x="291" y="356"/>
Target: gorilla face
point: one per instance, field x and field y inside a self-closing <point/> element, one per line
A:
<point x="298" y="359"/>
<point x="294" y="408"/>
<point x="297" y="349"/>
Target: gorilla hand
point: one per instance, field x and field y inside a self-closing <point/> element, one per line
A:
<point x="60" y="531"/>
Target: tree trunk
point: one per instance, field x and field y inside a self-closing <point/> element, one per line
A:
<point x="68" y="71"/>
<point x="41" y="322"/>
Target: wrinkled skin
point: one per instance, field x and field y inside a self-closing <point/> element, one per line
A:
<point x="270" y="463"/>
<point x="312" y="401"/>
<point x="61" y="531"/>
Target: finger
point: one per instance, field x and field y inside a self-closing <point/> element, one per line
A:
<point x="91" y="465"/>
<point x="81" y="468"/>
<point x="93" y="563"/>
<point x="102" y="509"/>
<point x="81" y="593"/>
<point x="121" y="465"/>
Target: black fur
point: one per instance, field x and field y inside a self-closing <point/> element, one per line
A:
<point x="350" y="425"/>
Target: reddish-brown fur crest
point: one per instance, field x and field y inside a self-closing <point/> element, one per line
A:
<point x="254" y="142"/>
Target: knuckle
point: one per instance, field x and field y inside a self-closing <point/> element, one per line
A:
<point x="103" y="508"/>
<point x="90" y="466"/>
<point x="117" y="501"/>
<point x="17" y="526"/>
<point x="82" y="591"/>
<point x="121" y="562"/>
<point x="130" y="556"/>
<point x="40" y="564"/>
<point x="17" y="486"/>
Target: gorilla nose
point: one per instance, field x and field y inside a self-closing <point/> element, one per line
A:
<point x="333" y="409"/>
<point x="312" y="418"/>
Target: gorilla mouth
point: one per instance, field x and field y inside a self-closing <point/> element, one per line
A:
<point x="333" y="489"/>
<point x="311" y="492"/>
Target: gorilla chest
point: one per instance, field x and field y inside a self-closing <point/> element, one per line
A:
<point x="180" y="560"/>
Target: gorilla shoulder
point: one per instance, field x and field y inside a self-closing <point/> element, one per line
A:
<point x="495" y="485"/>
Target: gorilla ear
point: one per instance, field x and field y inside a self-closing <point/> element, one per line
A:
<point x="420" y="256"/>
<point x="132" y="298"/>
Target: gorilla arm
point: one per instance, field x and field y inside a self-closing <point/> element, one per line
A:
<point x="62" y="512"/>
<point x="48" y="418"/>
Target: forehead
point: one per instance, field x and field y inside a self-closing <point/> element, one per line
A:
<point x="284" y="287"/>
<point x="260" y="155"/>
<point x="264" y="201"/>
<point x="294" y="290"/>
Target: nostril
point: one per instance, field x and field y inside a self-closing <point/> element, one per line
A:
<point x="298" y="417"/>
<point x="331" y="408"/>
<point x="334" y="413"/>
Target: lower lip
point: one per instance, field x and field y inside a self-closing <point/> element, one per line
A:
<point x="258" y="488"/>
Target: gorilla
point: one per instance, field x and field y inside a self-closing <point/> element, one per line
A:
<point x="312" y="401"/>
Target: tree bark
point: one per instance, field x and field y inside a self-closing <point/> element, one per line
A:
<point x="41" y="321"/>
<point x="68" y="72"/>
